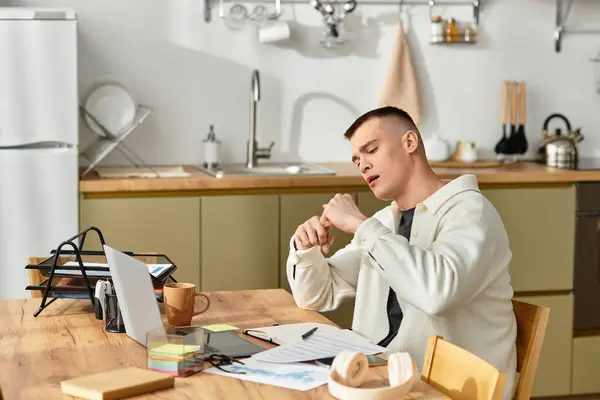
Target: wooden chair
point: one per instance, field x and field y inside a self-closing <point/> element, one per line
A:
<point x="531" y="329"/>
<point x="460" y="374"/>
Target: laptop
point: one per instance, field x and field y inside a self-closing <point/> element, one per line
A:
<point x="139" y="308"/>
<point x="135" y="294"/>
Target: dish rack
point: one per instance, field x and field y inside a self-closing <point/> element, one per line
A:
<point x="73" y="273"/>
<point x="104" y="145"/>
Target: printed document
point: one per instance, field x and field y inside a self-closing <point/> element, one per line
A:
<point x="323" y="343"/>
<point x="298" y="376"/>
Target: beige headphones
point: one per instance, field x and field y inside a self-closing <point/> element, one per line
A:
<point x="349" y="370"/>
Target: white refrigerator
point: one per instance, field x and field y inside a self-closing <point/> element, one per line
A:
<point x="38" y="139"/>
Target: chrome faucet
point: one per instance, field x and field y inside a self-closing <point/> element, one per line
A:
<point x="253" y="151"/>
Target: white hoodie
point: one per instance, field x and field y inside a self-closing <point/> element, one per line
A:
<point x="451" y="278"/>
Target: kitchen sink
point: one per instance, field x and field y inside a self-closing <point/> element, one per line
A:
<point x="266" y="169"/>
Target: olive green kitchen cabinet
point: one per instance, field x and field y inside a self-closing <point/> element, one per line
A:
<point x="553" y="377"/>
<point x="240" y="242"/>
<point x="540" y="223"/>
<point x="169" y="225"/>
<point x="295" y="209"/>
<point x="369" y="204"/>
<point x="586" y="365"/>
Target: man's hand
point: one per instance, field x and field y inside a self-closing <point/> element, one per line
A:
<point x="343" y="213"/>
<point x="314" y="232"/>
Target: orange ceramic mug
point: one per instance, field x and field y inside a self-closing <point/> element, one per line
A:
<point x="179" y="303"/>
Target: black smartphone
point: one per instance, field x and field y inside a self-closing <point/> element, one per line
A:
<point x="374" y="361"/>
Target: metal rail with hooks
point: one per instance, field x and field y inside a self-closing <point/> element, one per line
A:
<point x="476" y="4"/>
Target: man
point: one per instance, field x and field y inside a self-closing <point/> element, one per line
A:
<point x="434" y="261"/>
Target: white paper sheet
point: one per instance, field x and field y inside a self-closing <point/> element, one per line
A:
<point x="321" y="344"/>
<point x="154" y="269"/>
<point x="298" y="376"/>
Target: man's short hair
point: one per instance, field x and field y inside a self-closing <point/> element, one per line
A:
<point x="380" y="112"/>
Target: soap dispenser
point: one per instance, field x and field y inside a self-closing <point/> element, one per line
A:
<point x="211" y="149"/>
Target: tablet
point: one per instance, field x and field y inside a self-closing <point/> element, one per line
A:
<point x="228" y="343"/>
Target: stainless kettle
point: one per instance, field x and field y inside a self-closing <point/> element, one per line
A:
<point x="558" y="150"/>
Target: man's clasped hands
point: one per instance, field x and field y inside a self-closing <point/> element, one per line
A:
<point x="341" y="211"/>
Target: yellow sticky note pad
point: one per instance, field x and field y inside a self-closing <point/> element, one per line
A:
<point x="220" y="327"/>
<point x="174" y="349"/>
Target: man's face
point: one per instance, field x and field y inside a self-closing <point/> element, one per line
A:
<point x="379" y="152"/>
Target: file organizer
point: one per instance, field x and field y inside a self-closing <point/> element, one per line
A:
<point x="53" y="268"/>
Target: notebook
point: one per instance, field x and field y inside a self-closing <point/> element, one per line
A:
<point x="289" y="333"/>
<point x="117" y="384"/>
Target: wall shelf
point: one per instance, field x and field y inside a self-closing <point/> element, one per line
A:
<point x="563" y="11"/>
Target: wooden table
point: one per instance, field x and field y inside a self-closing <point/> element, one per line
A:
<point x="66" y="341"/>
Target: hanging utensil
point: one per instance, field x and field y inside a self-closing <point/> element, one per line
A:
<point x="278" y="10"/>
<point x="238" y="14"/>
<point x="503" y="146"/>
<point x="514" y="95"/>
<point x="259" y="13"/>
<point x="520" y="141"/>
<point x="347" y="8"/>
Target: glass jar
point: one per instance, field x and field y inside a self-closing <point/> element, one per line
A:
<point x="470" y="34"/>
<point x="437" y="29"/>
<point x="451" y="30"/>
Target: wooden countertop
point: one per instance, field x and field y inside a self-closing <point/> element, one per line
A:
<point x="66" y="341"/>
<point x="347" y="176"/>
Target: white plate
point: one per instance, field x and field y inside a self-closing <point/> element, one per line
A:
<point x="112" y="106"/>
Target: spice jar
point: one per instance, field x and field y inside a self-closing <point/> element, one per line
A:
<point x="470" y="34"/>
<point x="451" y="30"/>
<point x="437" y="29"/>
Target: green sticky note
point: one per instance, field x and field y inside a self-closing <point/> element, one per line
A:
<point x="220" y="327"/>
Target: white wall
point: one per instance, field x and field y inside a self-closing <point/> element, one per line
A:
<point x="194" y="74"/>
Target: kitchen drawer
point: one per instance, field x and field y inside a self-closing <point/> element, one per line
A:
<point x="586" y="365"/>
<point x="553" y="377"/>
<point x="540" y="223"/>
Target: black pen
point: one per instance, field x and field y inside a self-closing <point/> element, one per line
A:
<point x="307" y="334"/>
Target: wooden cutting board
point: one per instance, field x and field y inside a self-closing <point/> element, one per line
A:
<point x="462" y="164"/>
<point x="117" y="384"/>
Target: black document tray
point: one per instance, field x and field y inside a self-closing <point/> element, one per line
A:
<point x="84" y="271"/>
